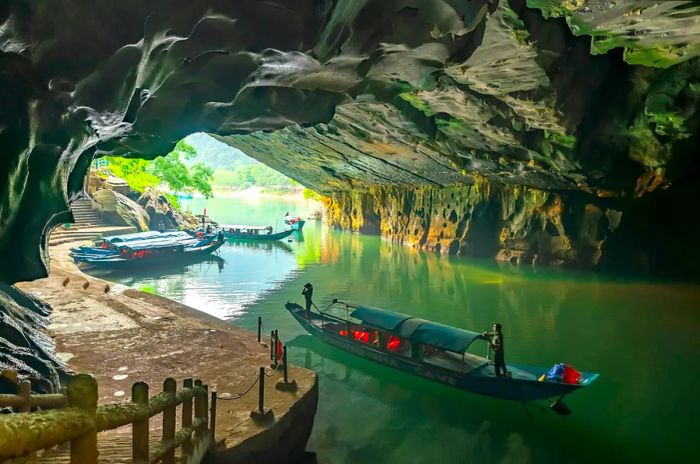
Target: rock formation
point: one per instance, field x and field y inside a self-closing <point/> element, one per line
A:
<point x="24" y="346"/>
<point x="565" y="130"/>
<point x="119" y="209"/>
<point x="158" y="209"/>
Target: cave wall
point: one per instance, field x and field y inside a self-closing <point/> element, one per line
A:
<point x="581" y="100"/>
<point x="24" y="345"/>
<point x="521" y="225"/>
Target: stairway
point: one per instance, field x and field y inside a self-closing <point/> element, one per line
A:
<point x="88" y="225"/>
<point x="84" y="214"/>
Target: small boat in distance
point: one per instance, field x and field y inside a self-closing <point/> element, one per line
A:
<point x="435" y="351"/>
<point x="237" y="232"/>
<point x="294" y="223"/>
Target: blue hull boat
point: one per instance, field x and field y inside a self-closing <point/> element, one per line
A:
<point x="143" y="253"/>
<point x="433" y="351"/>
<point x="237" y="233"/>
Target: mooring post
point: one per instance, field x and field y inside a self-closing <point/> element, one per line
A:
<point x="259" y="328"/>
<point x="274" y="359"/>
<point x="187" y="419"/>
<point x="139" y="445"/>
<point x="285" y="384"/>
<point x="261" y="390"/>
<point x="260" y="415"/>
<point x="82" y="394"/>
<point x="169" y="387"/>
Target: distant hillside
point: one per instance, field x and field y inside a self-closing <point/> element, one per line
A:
<point x="217" y="155"/>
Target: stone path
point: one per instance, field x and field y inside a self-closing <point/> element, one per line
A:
<point x="122" y="335"/>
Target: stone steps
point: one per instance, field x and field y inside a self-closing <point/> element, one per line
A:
<point x="88" y="225"/>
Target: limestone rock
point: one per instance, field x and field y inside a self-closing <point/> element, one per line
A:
<point x="25" y="347"/>
<point x="120" y="210"/>
<point x="160" y="210"/>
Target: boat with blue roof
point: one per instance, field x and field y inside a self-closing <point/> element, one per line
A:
<point x="146" y="248"/>
<point x="431" y="350"/>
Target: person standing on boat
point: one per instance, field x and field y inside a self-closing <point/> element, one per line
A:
<point x="495" y="340"/>
<point x="308" y="293"/>
<point x="161" y="227"/>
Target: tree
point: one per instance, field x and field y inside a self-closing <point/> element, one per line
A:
<point x="172" y="170"/>
<point x="169" y="169"/>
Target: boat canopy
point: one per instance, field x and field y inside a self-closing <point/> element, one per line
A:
<point x="148" y="235"/>
<point x="380" y="318"/>
<point x="151" y="245"/>
<point x="444" y="337"/>
<point x="418" y="330"/>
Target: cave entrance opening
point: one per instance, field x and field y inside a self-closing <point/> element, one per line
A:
<point x="132" y="193"/>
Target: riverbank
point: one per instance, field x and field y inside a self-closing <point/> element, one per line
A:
<point x="121" y="336"/>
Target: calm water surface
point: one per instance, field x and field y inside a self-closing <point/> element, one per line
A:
<point x="641" y="336"/>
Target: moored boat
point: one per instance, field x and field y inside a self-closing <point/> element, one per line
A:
<point x="435" y="351"/>
<point x="148" y="252"/>
<point x="294" y="223"/>
<point x="238" y="232"/>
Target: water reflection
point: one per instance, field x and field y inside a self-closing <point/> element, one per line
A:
<point x="641" y="337"/>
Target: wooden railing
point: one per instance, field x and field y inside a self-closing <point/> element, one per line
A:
<point x="79" y="419"/>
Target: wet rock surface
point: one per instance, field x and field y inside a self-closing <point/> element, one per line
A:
<point x="581" y="100"/>
<point x="25" y="346"/>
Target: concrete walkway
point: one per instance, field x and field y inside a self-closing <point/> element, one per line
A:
<point x="122" y="336"/>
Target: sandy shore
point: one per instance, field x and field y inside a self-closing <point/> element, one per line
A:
<point x="121" y="336"/>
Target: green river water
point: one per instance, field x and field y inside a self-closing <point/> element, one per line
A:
<point x="642" y="336"/>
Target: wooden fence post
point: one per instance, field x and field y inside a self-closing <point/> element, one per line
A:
<point x="198" y="410"/>
<point x="24" y="390"/>
<point x="139" y="450"/>
<point x="187" y="419"/>
<point x="170" y="387"/>
<point x="212" y="417"/>
<point x="82" y="394"/>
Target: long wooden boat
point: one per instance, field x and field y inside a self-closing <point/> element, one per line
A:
<point x="110" y="245"/>
<point x="149" y="253"/>
<point x="435" y="351"/>
<point x="237" y="232"/>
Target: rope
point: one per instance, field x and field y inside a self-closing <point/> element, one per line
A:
<point x="241" y="395"/>
<point x="273" y="372"/>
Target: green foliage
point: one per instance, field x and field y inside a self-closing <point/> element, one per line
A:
<point x="250" y="175"/>
<point x="170" y="169"/>
<point x="311" y="195"/>
<point x="134" y="171"/>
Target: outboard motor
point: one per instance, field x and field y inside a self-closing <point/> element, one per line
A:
<point x="560" y="408"/>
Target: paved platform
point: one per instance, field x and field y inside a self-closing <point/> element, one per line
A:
<point x="122" y="336"/>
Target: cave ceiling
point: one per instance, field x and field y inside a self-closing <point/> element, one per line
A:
<point x="592" y="95"/>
